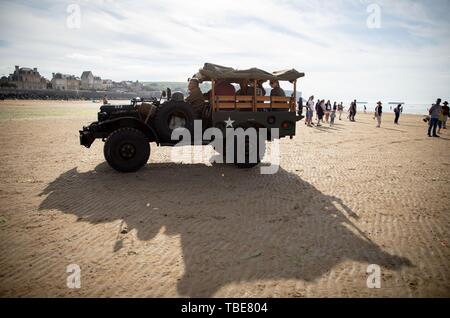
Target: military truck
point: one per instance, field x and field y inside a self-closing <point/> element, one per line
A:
<point x="128" y="130"/>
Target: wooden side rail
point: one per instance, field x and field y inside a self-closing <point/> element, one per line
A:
<point x="246" y="102"/>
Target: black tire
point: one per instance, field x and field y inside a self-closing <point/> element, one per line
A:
<point x="166" y="112"/>
<point x="260" y="148"/>
<point x="127" y="150"/>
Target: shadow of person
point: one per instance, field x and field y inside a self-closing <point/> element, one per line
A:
<point x="234" y="225"/>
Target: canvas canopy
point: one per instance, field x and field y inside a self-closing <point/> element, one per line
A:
<point x="216" y="72"/>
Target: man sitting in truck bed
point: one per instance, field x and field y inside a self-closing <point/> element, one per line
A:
<point x="279" y="92"/>
<point x="195" y="98"/>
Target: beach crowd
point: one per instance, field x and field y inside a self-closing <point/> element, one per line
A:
<point x="327" y="112"/>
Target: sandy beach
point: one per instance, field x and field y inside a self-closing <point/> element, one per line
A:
<point x="344" y="197"/>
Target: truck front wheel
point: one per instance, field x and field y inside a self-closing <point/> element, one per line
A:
<point x="127" y="150"/>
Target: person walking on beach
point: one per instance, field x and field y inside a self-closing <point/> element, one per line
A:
<point x="445" y="113"/>
<point x="340" y="109"/>
<point x="309" y="111"/>
<point x="327" y="111"/>
<point x="320" y="112"/>
<point x="352" y="111"/>
<point x="440" y="121"/>
<point x="300" y="108"/>
<point x="378" y="113"/>
<point x="397" y="111"/>
<point x="105" y="100"/>
<point x="365" y="109"/>
<point x="316" y="108"/>
<point x="333" y="114"/>
<point x="435" y="112"/>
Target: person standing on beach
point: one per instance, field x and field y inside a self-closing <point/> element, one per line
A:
<point x="340" y="109"/>
<point x="316" y="108"/>
<point x="333" y="114"/>
<point x="320" y="112"/>
<point x="378" y="113"/>
<point x="352" y="111"/>
<point x="397" y="111"/>
<point x="435" y="111"/>
<point x="365" y="109"/>
<point x="105" y="100"/>
<point x="440" y="121"/>
<point x="327" y="111"/>
<point x="300" y="108"/>
<point x="445" y="113"/>
<point x="309" y="111"/>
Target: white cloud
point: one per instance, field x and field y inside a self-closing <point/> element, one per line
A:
<point x="170" y="40"/>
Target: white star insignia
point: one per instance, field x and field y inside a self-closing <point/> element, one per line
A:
<point x="229" y="122"/>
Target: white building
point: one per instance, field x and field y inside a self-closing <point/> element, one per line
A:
<point x="65" y="82"/>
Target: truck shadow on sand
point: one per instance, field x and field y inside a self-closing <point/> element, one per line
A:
<point x="234" y="225"/>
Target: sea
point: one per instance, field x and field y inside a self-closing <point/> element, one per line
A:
<point x="408" y="108"/>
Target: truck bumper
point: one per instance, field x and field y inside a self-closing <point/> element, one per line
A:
<point x="87" y="137"/>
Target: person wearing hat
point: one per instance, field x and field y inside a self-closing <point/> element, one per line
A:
<point x="445" y="113"/>
<point x="378" y="113"/>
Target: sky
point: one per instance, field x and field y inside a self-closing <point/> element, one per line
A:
<point x="396" y="50"/>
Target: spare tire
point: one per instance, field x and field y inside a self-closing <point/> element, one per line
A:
<point x="172" y="115"/>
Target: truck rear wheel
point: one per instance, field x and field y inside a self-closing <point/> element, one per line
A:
<point x="127" y="150"/>
<point x="249" y="154"/>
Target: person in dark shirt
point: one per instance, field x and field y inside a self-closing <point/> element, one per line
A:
<point x="353" y="110"/>
<point x="320" y="109"/>
<point x="260" y="88"/>
<point x="279" y="92"/>
<point x="300" y="108"/>
<point x="379" y="113"/>
<point x="397" y="111"/>
<point x="445" y="113"/>
<point x="224" y="88"/>
<point x="276" y="89"/>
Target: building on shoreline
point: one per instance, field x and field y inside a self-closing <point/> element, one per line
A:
<point x="87" y="80"/>
<point x="27" y="78"/>
<point x="65" y="82"/>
